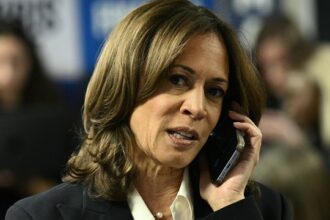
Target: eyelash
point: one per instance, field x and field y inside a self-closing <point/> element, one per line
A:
<point x="179" y="80"/>
<point x="215" y="92"/>
<point x="174" y="79"/>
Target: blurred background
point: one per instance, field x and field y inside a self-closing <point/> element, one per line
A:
<point x="48" y="50"/>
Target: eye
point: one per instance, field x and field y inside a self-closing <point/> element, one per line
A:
<point x="177" y="79"/>
<point x="215" y="92"/>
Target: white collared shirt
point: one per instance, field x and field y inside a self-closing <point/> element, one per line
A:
<point x="181" y="208"/>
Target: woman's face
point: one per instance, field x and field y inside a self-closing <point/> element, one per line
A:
<point x="173" y="125"/>
<point x="274" y="67"/>
<point x="15" y="65"/>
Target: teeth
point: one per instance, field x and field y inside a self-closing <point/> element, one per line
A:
<point x="180" y="134"/>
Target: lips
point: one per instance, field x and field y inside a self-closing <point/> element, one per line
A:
<point x="183" y="135"/>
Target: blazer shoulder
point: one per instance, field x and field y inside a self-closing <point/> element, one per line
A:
<point x="62" y="193"/>
<point x="273" y="204"/>
<point x="39" y="205"/>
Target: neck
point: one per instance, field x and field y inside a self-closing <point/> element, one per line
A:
<point x="157" y="184"/>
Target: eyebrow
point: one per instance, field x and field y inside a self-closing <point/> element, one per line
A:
<point x="187" y="68"/>
<point x="191" y="71"/>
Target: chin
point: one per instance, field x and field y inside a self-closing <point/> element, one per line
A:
<point x="179" y="162"/>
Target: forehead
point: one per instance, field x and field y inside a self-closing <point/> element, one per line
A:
<point x="9" y="43"/>
<point x="271" y="48"/>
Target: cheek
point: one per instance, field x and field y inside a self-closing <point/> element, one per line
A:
<point x="215" y="116"/>
<point x="211" y="122"/>
<point x="139" y="124"/>
<point x="147" y="119"/>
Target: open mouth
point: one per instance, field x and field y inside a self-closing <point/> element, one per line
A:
<point x="184" y="135"/>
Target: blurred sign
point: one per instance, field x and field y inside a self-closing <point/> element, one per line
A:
<point x="70" y="33"/>
<point x="55" y="26"/>
<point x="100" y="16"/>
<point x="248" y="16"/>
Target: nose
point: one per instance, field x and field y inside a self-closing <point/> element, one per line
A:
<point x="194" y="104"/>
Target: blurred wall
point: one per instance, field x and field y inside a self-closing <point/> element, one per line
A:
<point x="248" y="15"/>
<point x="323" y="20"/>
<point x="70" y="33"/>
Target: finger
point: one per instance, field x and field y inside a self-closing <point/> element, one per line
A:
<point x="248" y="128"/>
<point x="240" y="117"/>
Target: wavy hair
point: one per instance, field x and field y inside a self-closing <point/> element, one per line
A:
<point x="135" y="57"/>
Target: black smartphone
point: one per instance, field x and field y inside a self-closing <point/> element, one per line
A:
<point x="223" y="148"/>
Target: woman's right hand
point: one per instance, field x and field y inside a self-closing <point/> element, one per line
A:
<point x="233" y="188"/>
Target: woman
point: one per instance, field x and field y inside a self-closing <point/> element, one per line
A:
<point x="154" y="98"/>
<point x="23" y="81"/>
<point x="27" y="98"/>
<point x="280" y="49"/>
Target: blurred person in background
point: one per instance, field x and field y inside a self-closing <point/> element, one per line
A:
<point x="280" y="49"/>
<point x="23" y="81"/>
<point x="25" y="90"/>
<point x="288" y="62"/>
<point x="296" y="157"/>
<point x="301" y="175"/>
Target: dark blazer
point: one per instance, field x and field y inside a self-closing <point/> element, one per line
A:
<point x="70" y="201"/>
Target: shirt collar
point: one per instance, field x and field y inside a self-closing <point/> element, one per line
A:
<point x="181" y="208"/>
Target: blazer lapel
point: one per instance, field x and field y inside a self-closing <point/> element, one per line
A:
<point x="119" y="210"/>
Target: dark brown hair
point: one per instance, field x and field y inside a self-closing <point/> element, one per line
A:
<point x="134" y="59"/>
